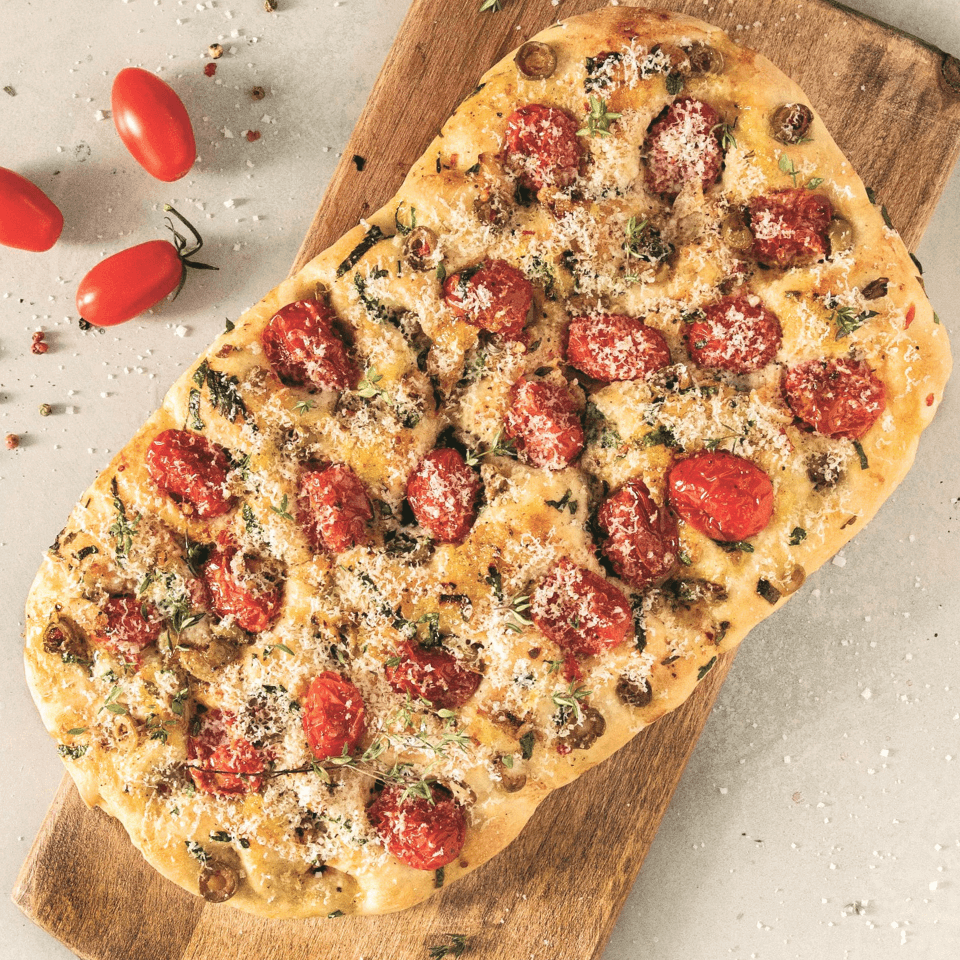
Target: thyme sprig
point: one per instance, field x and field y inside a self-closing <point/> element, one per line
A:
<point x="598" y="118"/>
<point x="501" y="447"/>
<point x="123" y="528"/>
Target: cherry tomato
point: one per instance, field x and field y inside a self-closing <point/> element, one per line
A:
<point x="433" y="675"/>
<point x="494" y="296"/>
<point x="838" y="398"/>
<point x="29" y="219"/>
<point x="579" y="610"/>
<point x="642" y="541"/>
<point x="333" y="716"/>
<point x="229" y="764"/>
<point x="128" y="283"/>
<point x="240" y="588"/>
<point x="153" y="124"/>
<point x="722" y="495"/>
<point x="615" y="347"/>
<point x="544" y="421"/>
<point x="542" y="147"/>
<point x="304" y="348"/>
<point x="191" y="470"/>
<point x="790" y="227"/>
<point x="333" y="508"/>
<point x="682" y="147"/>
<point x="734" y="335"/>
<point x="442" y="492"/>
<point x="423" y="834"/>
<point x="124" y="630"/>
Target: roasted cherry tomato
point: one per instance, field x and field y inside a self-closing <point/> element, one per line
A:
<point x="541" y="146"/>
<point x="131" y="281"/>
<point x="124" y="630"/>
<point x="304" y="348"/>
<point x="423" y="834"/>
<point x="192" y="471"/>
<point x="333" y="508"/>
<point x="334" y="716"/>
<point x="682" y="147"/>
<point x="153" y="124"/>
<point x="790" y="227"/>
<point x="642" y="541"/>
<point x="722" y="495"/>
<point x="544" y="421"/>
<point x="494" y="296"/>
<point x="29" y="219"/>
<point x="242" y="588"/>
<point x="442" y="492"/>
<point x="838" y="398"/>
<point x="737" y="334"/>
<point x="224" y="762"/>
<point x="579" y="610"/>
<point x="615" y="347"/>
<point x="433" y="675"/>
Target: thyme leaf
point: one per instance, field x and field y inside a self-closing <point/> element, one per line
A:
<point x="598" y="118"/>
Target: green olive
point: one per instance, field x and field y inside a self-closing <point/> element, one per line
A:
<point x="589" y="728"/>
<point x="840" y="235"/>
<point x="735" y="232"/>
<point x="634" y="694"/>
<point x="704" y="58"/>
<point x="218" y="882"/>
<point x="536" y="60"/>
<point x="63" y="636"/>
<point x="790" y="123"/>
<point x="421" y="249"/>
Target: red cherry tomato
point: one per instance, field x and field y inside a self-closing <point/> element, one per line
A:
<point x="541" y="146"/>
<point x="239" y="588"/>
<point x="333" y="508"/>
<point x="790" y="227"/>
<point x="131" y="281"/>
<point x="494" y="296"/>
<point x="423" y="834"/>
<point x="838" y="398"/>
<point x="123" y="629"/>
<point x="442" y="492"/>
<point x="544" y="421"/>
<point x="191" y="470"/>
<point x="433" y="675"/>
<point x="734" y="335"/>
<point x="580" y="611"/>
<point x="29" y="219"/>
<point x="304" y="348"/>
<point x="642" y="541"/>
<point x="333" y="716"/>
<point x="615" y="347"/>
<point x="682" y="147"/>
<point x="226" y="763"/>
<point x="722" y="495"/>
<point x="153" y="124"/>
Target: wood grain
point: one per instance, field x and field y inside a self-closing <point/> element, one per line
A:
<point x="83" y="882"/>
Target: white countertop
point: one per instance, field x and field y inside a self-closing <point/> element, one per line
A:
<point x="820" y="814"/>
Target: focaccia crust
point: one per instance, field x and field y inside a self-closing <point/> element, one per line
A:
<point x="301" y="845"/>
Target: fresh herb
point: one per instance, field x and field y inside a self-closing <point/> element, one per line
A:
<point x="797" y="536"/>
<point x="553" y="666"/>
<point x="706" y="668"/>
<point x="886" y="217"/>
<point x="598" y="429"/>
<point x="282" y="510"/>
<point x="230" y="326"/>
<point x="788" y="167"/>
<point x="936" y="318"/>
<point x="372" y="237"/>
<point x="441" y="271"/>
<point x="458" y="941"/>
<point x="674" y="83"/>
<point x="495" y="580"/>
<point x="76" y="731"/>
<point x="725" y="134"/>
<point x="74" y="752"/>
<point x="489" y="6"/>
<point x="304" y="406"/>
<point x="519" y="606"/>
<point x="176" y="704"/>
<point x="438" y="877"/>
<point x="662" y="436"/>
<point x="539" y="269"/>
<point x="250" y="521"/>
<point x="564" y="501"/>
<point x="643" y="242"/>
<point x="501" y="447"/>
<point x="335" y="914"/>
<point x="111" y="705"/>
<point x="768" y="591"/>
<point x="158" y="728"/>
<point x="814" y="182"/>
<point x="402" y="228"/>
<point x="598" y="119"/>
<point x="569" y="702"/>
<point x="196" y="851"/>
<point x="735" y="546"/>
<point x="367" y="388"/>
<point x="864" y="462"/>
<point x="122" y="529"/>
<point x="195" y="553"/>
<point x="194" y="421"/>
<point x="270" y="647"/>
<point x="685" y="558"/>
<point x="86" y="552"/>
<point x="224" y="396"/>
<point x="377" y="312"/>
<point x="527" y="742"/>
<point x="847" y="321"/>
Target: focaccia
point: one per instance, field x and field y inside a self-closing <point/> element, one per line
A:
<point x="486" y="488"/>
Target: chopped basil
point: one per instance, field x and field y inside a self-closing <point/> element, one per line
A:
<point x="706" y="668"/>
<point x="527" y="742"/>
<point x="372" y="237"/>
<point x="864" y="462"/>
<point x="768" y="591"/>
<point x="797" y="536"/>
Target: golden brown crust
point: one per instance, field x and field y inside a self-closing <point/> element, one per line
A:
<point x="118" y="762"/>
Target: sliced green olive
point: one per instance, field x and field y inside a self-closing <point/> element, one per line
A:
<point x="790" y="123"/>
<point x="218" y="882"/>
<point x="588" y="730"/>
<point x="840" y="235"/>
<point x="63" y="636"/>
<point x="634" y="694"/>
<point x="510" y="781"/>
<point x="792" y="581"/>
<point x="421" y="249"/>
<point x="704" y="58"/>
<point x="536" y="60"/>
<point x="735" y="232"/>
<point x="205" y="663"/>
<point x="876" y="289"/>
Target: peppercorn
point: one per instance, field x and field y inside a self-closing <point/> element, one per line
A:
<point x="215" y="50"/>
<point x="13" y="441"/>
<point x="258" y="93"/>
<point x="270" y="5"/>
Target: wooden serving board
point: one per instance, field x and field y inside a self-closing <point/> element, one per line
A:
<point x="83" y="881"/>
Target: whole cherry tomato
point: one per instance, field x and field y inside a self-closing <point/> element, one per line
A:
<point x="153" y="124"/>
<point x="29" y="219"/>
<point x="128" y="283"/>
<point x="334" y="716"/>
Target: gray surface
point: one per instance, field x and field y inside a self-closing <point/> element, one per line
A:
<point x="759" y="855"/>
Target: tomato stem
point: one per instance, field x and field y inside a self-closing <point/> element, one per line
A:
<point x="180" y="242"/>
